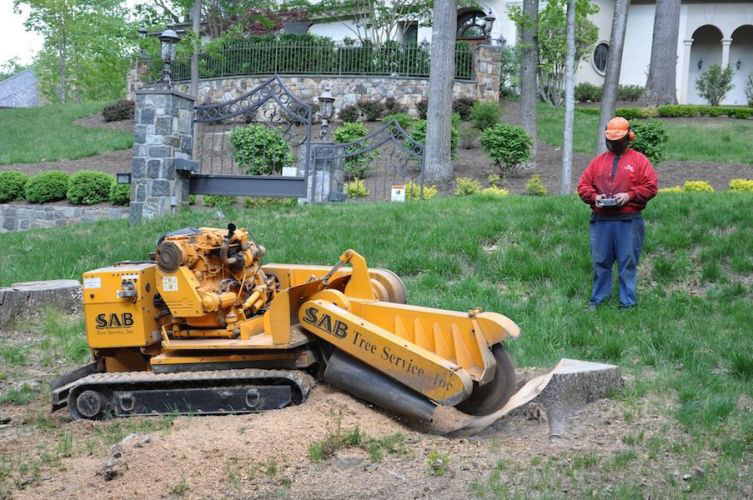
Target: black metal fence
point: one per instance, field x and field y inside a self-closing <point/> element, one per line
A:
<point x="267" y="57"/>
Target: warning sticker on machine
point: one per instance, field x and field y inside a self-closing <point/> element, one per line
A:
<point x="92" y="282"/>
<point x="170" y="283"/>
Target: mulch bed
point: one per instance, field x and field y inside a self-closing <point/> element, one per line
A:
<point x="470" y="163"/>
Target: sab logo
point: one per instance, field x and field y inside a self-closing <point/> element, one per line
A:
<point x="114" y="320"/>
<point x="339" y="329"/>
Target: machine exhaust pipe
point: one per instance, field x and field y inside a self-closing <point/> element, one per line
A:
<point x="361" y="380"/>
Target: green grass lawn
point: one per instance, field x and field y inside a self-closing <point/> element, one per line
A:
<point x="47" y="134"/>
<point x="689" y="342"/>
<point x="721" y="140"/>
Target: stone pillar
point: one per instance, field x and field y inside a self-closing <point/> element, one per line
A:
<point x="685" y="71"/>
<point x="135" y="78"/>
<point x="162" y="143"/>
<point x="487" y="64"/>
<point x="726" y="42"/>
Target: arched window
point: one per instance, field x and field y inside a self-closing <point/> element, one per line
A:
<point x="600" y="57"/>
<point x="471" y="25"/>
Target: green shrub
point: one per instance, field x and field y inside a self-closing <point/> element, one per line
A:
<point x="697" y="187"/>
<point x="120" y="110"/>
<point x="268" y="201"/>
<point x="403" y="119"/>
<point x="350" y="113"/>
<point x="689" y="111"/>
<point x="633" y="113"/>
<point x="418" y="134"/>
<point x="493" y="180"/>
<point x="749" y="89"/>
<point x="589" y="111"/>
<point x="507" y="145"/>
<point x="465" y="186"/>
<point x="192" y="199"/>
<point x="741" y="185"/>
<point x="463" y="106"/>
<point x="534" y="186"/>
<point x="629" y="92"/>
<point x="87" y="187"/>
<point x="422" y="107"/>
<point x="47" y="186"/>
<point x="12" y="184"/>
<point x="413" y="191"/>
<point x="650" y="139"/>
<point x="673" y="189"/>
<point x="742" y="113"/>
<point x="392" y="106"/>
<point x="356" y="189"/>
<point x="714" y="83"/>
<point x="494" y="191"/>
<point x="588" y="92"/>
<point x="219" y="201"/>
<point x="120" y="194"/>
<point x="467" y="137"/>
<point x="260" y="150"/>
<point x="372" y="109"/>
<point x="356" y="166"/>
<point x="485" y="114"/>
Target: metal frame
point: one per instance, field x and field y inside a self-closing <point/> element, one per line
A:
<point x="286" y="113"/>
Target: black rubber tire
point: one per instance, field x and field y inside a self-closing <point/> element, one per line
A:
<point x="488" y="398"/>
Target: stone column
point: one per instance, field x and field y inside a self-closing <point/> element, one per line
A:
<point x="685" y="71"/>
<point x="162" y="146"/>
<point x="726" y="42"/>
<point x="487" y="63"/>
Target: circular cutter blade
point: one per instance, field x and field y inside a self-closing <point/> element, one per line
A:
<point x="488" y="398"/>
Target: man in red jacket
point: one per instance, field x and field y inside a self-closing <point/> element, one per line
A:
<point x="617" y="184"/>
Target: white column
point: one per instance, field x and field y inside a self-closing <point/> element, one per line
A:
<point x="726" y="42"/>
<point x="685" y="71"/>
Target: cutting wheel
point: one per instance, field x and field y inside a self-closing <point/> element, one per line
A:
<point x="488" y="398"/>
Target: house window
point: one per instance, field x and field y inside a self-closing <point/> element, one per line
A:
<point x="471" y="25"/>
<point x="600" y="57"/>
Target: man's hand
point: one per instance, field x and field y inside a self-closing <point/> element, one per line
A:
<point x="598" y="198"/>
<point x="622" y="198"/>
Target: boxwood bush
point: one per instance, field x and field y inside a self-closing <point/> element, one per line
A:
<point x="87" y="187"/>
<point x="47" y="186"/>
<point x="485" y="114"/>
<point x="507" y="146"/>
<point x="650" y="139"/>
<point x="260" y="150"/>
<point x="12" y="184"/>
<point x="120" y="194"/>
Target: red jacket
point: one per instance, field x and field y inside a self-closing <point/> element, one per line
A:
<point x="634" y="176"/>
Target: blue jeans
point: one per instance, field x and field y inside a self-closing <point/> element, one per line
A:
<point x="621" y="241"/>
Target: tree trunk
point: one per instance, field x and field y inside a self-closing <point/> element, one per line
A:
<point x="614" y="62"/>
<point x="63" y="55"/>
<point x="528" y="67"/>
<point x="196" y="13"/>
<point x="661" y="87"/>
<point x="441" y="80"/>
<point x="567" y="143"/>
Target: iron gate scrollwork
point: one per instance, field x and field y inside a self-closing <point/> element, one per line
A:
<point x="270" y="104"/>
<point x="386" y="157"/>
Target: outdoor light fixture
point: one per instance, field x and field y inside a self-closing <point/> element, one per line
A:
<point x="123" y="178"/>
<point x="142" y="35"/>
<point x="425" y="45"/>
<point x="326" y="110"/>
<point x="488" y="23"/>
<point x="169" y="41"/>
<point x="700" y="64"/>
<point x="739" y="64"/>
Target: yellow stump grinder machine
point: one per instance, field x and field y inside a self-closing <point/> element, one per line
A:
<point x="204" y="328"/>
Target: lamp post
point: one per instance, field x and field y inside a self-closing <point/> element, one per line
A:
<point x="326" y="110"/>
<point x="142" y="35"/>
<point x="169" y="44"/>
<point x="488" y="24"/>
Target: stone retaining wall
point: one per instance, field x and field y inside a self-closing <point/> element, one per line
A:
<point x="23" y="217"/>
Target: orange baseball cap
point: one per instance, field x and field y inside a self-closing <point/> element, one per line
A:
<point x="617" y="128"/>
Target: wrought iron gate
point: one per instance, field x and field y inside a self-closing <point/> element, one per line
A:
<point x="220" y="172"/>
<point x="386" y="158"/>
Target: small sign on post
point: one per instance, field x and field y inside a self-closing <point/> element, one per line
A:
<point x="398" y="193"/>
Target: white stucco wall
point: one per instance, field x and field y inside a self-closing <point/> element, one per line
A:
<point x="741" y="51"/>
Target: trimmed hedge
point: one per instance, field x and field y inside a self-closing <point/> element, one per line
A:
<point x="679" y="111"/>
<point x="47" y="186"/>
<point x="89" y="188"/>
<point x="120" y="194"/>
<point x="12" y="184"/>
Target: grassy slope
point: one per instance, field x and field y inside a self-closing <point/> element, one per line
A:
<point x="527" y="258"/>
<point x="724" y="140"/>
<point x="48" y="134"/>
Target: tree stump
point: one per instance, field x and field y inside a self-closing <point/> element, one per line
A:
<point x="22" y="301"/>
